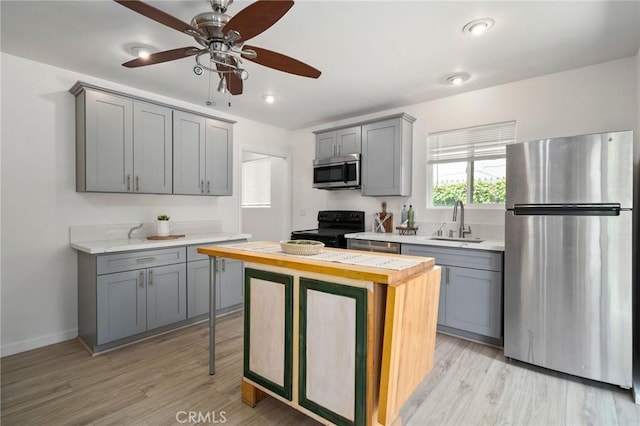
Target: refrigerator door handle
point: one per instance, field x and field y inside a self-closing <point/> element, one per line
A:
<point x="604" y="209"/>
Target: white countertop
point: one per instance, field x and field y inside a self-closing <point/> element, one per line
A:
<point x="425" y="240"/>
<point x="112" y="246"/>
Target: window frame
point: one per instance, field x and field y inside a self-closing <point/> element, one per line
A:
<point x="469" y="169"/>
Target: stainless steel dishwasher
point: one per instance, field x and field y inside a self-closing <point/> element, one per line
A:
<point x="371" y="245"/>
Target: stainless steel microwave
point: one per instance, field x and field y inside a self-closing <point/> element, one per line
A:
<point x="337" y="172"/>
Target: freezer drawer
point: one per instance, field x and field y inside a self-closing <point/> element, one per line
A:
<point x="572" y="170"/>
<point x="568" y="294"/>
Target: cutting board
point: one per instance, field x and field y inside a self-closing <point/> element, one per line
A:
<point x="168" y="237"/>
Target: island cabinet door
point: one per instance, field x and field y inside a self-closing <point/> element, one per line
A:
<point x="333" y="351"/>
<point x="268" y="330"/>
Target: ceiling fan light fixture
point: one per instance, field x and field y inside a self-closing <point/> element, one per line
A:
<point x="222" y="86"/>
<point x="142" y="51"/>
<point x="478" y="26"/>
<point x="458" y="79"/>
<point x="241" y="73"/>
<point x="268" y="98"/>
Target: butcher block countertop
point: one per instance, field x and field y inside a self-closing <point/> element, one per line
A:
<point x="309" y="264"/>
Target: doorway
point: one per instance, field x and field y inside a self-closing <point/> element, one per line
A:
<point x="264" y="198"/>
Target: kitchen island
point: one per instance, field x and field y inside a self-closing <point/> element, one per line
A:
<point x="344" y="337"/>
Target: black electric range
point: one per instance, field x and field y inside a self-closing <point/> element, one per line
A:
<point x="333" y="225"/>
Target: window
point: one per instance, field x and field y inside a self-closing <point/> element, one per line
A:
<point x="469" y="165"/>
<point x="256" y="182"/>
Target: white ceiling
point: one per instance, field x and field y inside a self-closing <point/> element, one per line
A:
<point x="373" y="55"/>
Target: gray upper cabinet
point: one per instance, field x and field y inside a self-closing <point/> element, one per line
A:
<point x="325" y="144"/>
<point x="339" y="142"/>
<point x="128" y="144"/>
<point x="188" y="163"/>
<point x="104" y="142"/>
<point x="123" y="145"/>
<point x="202" y="155"/>
<point x="386" y="157"/>
<point x="152" y="139"/>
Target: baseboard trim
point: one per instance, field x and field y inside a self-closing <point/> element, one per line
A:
<point x="38" y="342"/>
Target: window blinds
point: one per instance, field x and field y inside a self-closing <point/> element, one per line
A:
<point x="473" y="143"/>
<point x="256" y="183"/>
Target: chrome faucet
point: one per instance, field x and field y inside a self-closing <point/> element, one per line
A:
<point x="461" y="230"/>
<point x="133" y="229"/>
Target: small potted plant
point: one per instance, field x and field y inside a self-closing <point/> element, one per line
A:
<point x="162" y="226"/>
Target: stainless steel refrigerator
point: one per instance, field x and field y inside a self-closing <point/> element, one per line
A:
<point x="568" y="255"/>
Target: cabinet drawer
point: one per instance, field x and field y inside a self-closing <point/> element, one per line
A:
<point x="466" y="258"/>
<point x="111" y="263"/>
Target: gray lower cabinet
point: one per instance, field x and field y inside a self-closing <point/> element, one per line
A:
<point x="125" y="296"/>
<point x="386" y="157"/>
<point x="133" y="302"/>
<point x="471" y="290"/>
<point x="122" y="305"/>
<point x="229" y="283"/>
<point x="198" y="289"/>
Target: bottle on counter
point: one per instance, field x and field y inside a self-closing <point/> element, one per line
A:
<point x="410" y="217"/>
<point x="403" y="215"/>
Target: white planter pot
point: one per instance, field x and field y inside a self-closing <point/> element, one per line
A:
<point x="162" y="228"/>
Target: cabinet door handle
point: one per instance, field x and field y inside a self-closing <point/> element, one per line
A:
<point x="208" y="187"/>
<point x="137" y="183"/>
<point x="338" y="147"/>
<point x="145" y="259"/>
<point x="150" y="278"/>
<point x="141" y="279"/>
<point x="447" y="274"/>
<point x="128" y="182"/>
<point x="222" y="265"/>
<point x="202" y="187"/>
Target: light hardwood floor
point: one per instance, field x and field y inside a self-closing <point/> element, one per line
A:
<point x="153" y="381"/>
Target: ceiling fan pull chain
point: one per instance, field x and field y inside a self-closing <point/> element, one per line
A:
<point x="209" y="103"/>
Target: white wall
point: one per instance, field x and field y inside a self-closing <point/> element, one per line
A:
<point x="587" y="100"/>
<point x="39" y="201"/>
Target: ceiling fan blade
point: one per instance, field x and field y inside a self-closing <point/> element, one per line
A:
<point x="165" y="56"/>
<point x="234" y="83"/>
<point x="257" y="17"/>
<point x="162" y="17"/>
<point x="281" y="62"/>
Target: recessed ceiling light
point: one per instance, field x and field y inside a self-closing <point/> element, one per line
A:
<point x="269" y="98"/>
<point x="458" y="79"/>
<point x="478" y="26"/>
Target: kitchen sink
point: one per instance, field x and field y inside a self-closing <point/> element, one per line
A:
<point x="466" y="240"/>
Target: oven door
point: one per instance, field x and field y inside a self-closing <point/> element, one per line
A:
<point x="337" y="172"/>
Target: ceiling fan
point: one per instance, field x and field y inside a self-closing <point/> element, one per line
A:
<point x="223" y="39"/>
